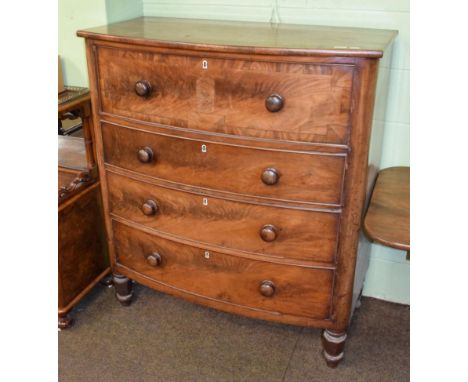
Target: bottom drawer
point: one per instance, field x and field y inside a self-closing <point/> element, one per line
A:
<point x="283" y="289"/>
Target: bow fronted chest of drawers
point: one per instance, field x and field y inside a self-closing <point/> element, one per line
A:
<point x="234" y="161"/>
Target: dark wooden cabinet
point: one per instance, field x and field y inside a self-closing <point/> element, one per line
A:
<point x="82" y="250"/>
<point x="234" y="162"/>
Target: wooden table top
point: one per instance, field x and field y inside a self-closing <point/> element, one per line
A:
<point x="246" y="36"/>
<point x="72" y="153"/>
<point x="72" y="97"/>
<point x="388" y="218"/>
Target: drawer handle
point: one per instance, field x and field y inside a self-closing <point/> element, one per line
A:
<point x="154" y="259"/>
<point x="274" y="103"/>
<point x="145" y="155"/>
<point x="269" y="232"/>
<point x="143" y="88"/>
<point x="150" y="207"/>
<point x="270" y="176"/>
<point x="267" y="288"/>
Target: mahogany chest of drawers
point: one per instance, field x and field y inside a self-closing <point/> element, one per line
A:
<point x="234" y="162"/>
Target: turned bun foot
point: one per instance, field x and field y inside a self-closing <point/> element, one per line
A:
<point x="123" y="289"/>
<point x="333" y="347"/>
<point x="64" y="322"/>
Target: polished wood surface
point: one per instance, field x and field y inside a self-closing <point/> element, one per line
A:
<point x="73" y="97"/>
<point x="251" y="37"/>
<point x="303" y="176"/>
<point x="82" y="259"/>
<point x="82" y="250"/>
<point x="291" y="101"/>
<point x="300" y="291"/>
<point x="234" y="173"/>
<point x="387" y="219"/>
<point x="71" y="152"/>
<point x="66" y="176"/>
<point x="300" y="235"/>
<point x="333" y="343"/>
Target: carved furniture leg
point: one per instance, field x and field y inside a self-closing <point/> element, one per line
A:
<point x="64" y="321"/>
<point x="333" y="346"/>
<point x="123" y="288"/>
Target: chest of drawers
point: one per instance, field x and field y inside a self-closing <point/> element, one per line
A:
<point x="234" y="162"/>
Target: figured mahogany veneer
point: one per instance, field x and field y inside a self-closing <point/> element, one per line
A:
<point x="233" y="159"/>
<point x="226" y="223"/>
<point x="293" y="101"/>
<point x="302" y="176"/>
<point x="299" y="291"/>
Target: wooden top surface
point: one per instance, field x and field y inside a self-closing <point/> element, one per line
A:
<point x="66" y="176"/>
<point x="246" y="37"/>
<point x="71" y="153"/>
<point x="388" y="218"/>
<point x="71" y="97"/>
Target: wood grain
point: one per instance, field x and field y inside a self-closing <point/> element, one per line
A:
<point x="71" y="152"/>
<point x="82" y="256"/>
<point x="229" y="95"/>
<point x="354" y="193"/>
<point x="302" y="235"/>
<point x="246" y="37"/>
<point x="212" y="133"/>
<point x="303" y="176"/>
<point x="299" y="291"/>
<point x="387" y="219"/>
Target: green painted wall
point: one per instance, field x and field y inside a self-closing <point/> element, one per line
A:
<point x="80" y="14"/>
<point x="388" y="275"/>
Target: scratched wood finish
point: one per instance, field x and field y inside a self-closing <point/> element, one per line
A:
<point x="303" y="176"/>
<point x="388" y="216"/>
<point x="228" y="96"/>
<point x="301" y="235"/>
<point x="299" y="291"/>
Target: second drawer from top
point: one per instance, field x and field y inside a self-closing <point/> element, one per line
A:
<point x="273" y="174"/>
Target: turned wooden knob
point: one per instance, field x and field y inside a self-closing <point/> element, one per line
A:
<point x="143" y="88"/>
<point x="270" y="176"/>
<point x="274" y="103"/>
<point x="267" y="288"/>
<point x="269" y="232"/>
<point x="154" y="259"/>
<point x="150" y="207"/>
<point x="145" y="155"/>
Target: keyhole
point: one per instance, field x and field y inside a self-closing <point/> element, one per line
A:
<point x="203" y="148"/>
<point x="205" y="64"/>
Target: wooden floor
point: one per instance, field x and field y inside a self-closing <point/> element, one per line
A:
<point x="160" y="338"/>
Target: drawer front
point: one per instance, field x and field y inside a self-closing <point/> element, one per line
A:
<point x="278" y="175"/>
<point x="229" y="96"/>
<point x="290" y="289"/>
<point x="278" y="232"/>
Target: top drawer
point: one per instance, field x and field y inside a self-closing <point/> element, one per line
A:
<point x="229" y="96"/>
